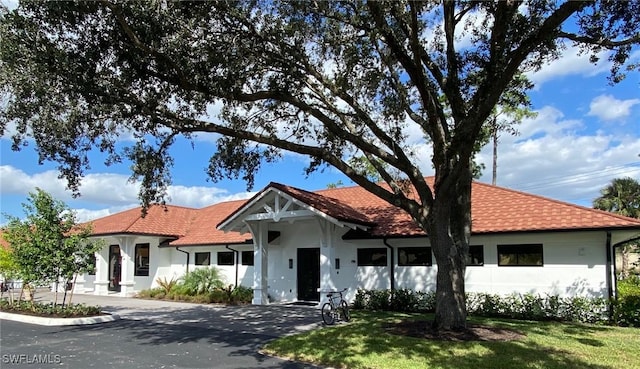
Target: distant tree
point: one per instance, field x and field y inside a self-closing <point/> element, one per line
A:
<point x="505" y="117"/>
<point x="327" y="79"/>
<point x="9" y="269"/>
<point x="48" y="245"/>
<point x="622" y="196"/>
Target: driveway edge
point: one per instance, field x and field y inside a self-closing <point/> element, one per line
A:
<point x="58" y="321"/>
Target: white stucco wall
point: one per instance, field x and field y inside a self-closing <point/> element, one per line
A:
<point x="178" y="268"/>
<point x="574" y="263"/>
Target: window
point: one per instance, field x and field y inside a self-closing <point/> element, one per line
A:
<point x="247" y="258"/>
<point x="476" y="255"/>
<point x="372" y="257"/>
<point x="520" y="255"/>
<point x="142" y="260"/>
<point x="203" y="258"/>
<point x="225" y="258"/>
<point x="414" y="256"/>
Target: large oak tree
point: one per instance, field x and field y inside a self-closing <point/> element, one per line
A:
<point x="332" y="80"/>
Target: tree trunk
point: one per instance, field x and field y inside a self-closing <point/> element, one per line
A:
<point x="494" y="176"/>
<point x="75" y="277"/>
<point x="55" y="293"/>
<point x="449" y="230"/>
<point x="451" y="312"/>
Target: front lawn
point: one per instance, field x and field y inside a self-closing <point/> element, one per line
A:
<point x="363" y="343"/>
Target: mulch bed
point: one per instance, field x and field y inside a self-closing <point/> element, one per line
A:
<point x="474" y="332"/>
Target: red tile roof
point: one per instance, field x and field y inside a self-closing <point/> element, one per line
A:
<point x="169" y="221"/>
<point x="203" y="229"/>
<point x="494" y="210"/>
<point x="497" y="209"/>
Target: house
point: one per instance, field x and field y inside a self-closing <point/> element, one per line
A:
<point x="287" y="244"/>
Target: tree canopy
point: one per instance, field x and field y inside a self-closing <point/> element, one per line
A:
<point x="331" y="80"/>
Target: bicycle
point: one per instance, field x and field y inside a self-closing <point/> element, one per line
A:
<point x="336" y="308"/>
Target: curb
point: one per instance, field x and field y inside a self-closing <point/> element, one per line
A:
<point x="58" y="321"/>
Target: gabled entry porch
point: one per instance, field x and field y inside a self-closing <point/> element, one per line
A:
<point x="300" y="262"/>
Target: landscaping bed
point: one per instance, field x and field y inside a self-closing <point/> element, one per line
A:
<point x="49" y="310"/>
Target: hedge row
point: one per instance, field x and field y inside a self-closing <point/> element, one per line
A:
<point x="515" y="306"/>
<point x="229" y="295"/>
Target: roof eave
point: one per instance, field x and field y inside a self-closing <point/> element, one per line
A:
<point x="111" y="234"/>
<point x="173" y="245"/>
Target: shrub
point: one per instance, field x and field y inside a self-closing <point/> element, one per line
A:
<point x="228" y="295"/>
<point x="166" y="285"/>
<point x="403" y="300"/>
<point x="217" y="296"/>
<point x="629" y="286"/>
<point x="380" y="300"/>
<point x="626" y="311"/>
<point x="360" y="301"/>
<point x="242" y="295"/>
<point x="398" y="300"/>
<point x="200" y="281"/>
<point x="425" y="301"/>
<point x="157" y="292"/>
<point x="517" y="306"/>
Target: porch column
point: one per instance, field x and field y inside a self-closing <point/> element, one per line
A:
<point x="101" y="284"/>
<point x="260" y="262"/>
<point x="327" y="256"/>
<point x="126" y="252"/>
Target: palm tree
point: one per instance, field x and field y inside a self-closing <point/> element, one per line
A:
<point x="621" y="196"/>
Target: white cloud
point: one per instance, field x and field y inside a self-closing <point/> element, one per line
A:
<point x="200" y="196"/>
<point x="110" y="189"/>
<point x="570" y="63"/>
<point x="10" y="4"/>
<point x="608" y="108"/>
<point x="85" y="215"/>
<point x="553" y="158"/>
<point x="102" y="188"/>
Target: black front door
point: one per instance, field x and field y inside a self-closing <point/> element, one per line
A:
<point x="308" y="274"/>
<point x="115" y="267"/>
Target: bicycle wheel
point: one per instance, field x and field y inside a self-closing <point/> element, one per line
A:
<point x="344" y="307"/>
<point x="327" y="314"/>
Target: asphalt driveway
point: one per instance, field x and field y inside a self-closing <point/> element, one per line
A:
<point x="155" y="334"/>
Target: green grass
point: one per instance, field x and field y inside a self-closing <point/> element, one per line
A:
<point x="548" y="345"/>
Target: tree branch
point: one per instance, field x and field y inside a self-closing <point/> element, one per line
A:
<point x="183" y="124"/>
<point x="604" y="42"/>
<point x="117" y="12"/>
<point x="436" y="129"/>
<point x="489" y="92"/>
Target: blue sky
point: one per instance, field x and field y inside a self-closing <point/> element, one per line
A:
<point x="586" y="133"/>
